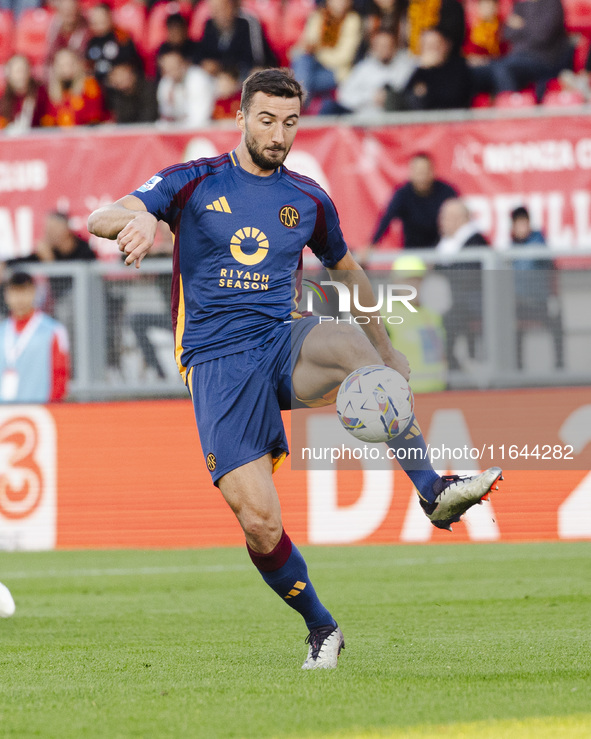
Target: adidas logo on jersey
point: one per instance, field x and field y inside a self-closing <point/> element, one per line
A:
<point x="221" y="205"/>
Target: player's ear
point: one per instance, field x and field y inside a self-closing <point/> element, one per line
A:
<point x="240" y="119"/>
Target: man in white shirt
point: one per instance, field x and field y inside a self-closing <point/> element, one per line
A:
<point x="456" y="228"/>
<point x="384" y="67"/>
<point x="186" y="93"/>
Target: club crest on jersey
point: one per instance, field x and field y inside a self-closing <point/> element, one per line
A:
<point x="289" y="216"/>
<point x="150" y="184"/>
<point x="211" y="462"/>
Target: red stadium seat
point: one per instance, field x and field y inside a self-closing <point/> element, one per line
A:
<point x="6" y="35"/>
<point x="578" y="15"/>
<point x="131" y="17"/>
<point x="157" y="21"/>
<point x="563" y="98"/>
<point x="524" y="99"/>
<point x="295" y="15"/>
<point x="197" y="22"/>
<point x="31" y="34"/>
<point x="482" y="100"/>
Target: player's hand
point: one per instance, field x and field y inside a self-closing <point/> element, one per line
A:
<point x="398" y="361"/>
<point x="137" y="237"/>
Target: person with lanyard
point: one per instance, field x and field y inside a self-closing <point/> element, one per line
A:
<point x="34" y="352"/>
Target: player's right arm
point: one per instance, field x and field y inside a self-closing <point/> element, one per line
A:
<point x="128" y="221"/>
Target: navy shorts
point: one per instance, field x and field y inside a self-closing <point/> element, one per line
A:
<point x="238" y="400"/>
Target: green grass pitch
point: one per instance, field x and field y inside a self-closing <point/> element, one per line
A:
<point x="442" y="641"/>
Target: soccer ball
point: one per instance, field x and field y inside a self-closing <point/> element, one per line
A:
<point x="375" y="403"/>
<point x="7" y="606"/>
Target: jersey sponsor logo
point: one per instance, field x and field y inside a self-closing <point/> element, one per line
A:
<point x="150" y="184"/>
<point x="249" y="234"/>
<point x="220" y="205"/>
<point x="211" y="462"/>
<point x="289" y="216"/>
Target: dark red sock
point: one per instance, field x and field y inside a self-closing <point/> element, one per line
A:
<point x="275" y="559"/>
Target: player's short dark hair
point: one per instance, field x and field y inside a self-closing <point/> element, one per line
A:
<point x="520" y="212"/>
<point x="19" y="279"/>
<point x="276" y="82"/>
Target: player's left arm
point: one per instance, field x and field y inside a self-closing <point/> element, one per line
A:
<point x="128" y="221"/>
<point x="347" y="271"/>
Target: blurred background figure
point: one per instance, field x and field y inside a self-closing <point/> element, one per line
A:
<point x="60" y="243"/>
<point x="457" y="229"/>
<point x="383" y="72"/>
<point x="177" y="39"/>
<point x="537" y="306"/>
<point x="325" y="53"/>
<point x="232" y="36"/>
<point x="463" y="322"/>
<point x="421" y="335"/>
<point x="72" y="97"/>
<point x="539" y="49"/>
<point x="186" y="92"/>
<point x="228" y="92"/>
<point x="484" y="42"/>
<point x="447" y="15"/>
<point x="68" y="29"/>
<point x="107" y="43"/>
<point x="131" y="97"/>
<point x="19" y="102"/>
<point x="442" y="79"/>
<point x="34" y="353"/>
<point x="416" y="203"/>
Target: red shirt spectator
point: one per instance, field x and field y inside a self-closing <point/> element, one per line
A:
<point x="71" y="98"/>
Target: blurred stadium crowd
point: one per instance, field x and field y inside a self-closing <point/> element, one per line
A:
<point x="75" y="62"/>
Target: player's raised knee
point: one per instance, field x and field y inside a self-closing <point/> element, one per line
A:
<point x="348" y="348"/>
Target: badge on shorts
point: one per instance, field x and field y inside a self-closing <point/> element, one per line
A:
<point x="211" y="462"/>
<point x="289" y="216"/>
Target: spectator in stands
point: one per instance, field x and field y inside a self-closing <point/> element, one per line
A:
<point x="228" y="93"/>
<point x="540" y="49"/>
<point x="464" y="319"/>
<point x="381" y="15"/>
<point x="34" y="352"/>
<point x="416" y="203"/>
<point x="446" y="15"/>
<point x="131" y="98"/>
<point x="107" y="43"/>
<point x="60" y="243"/>
<point x="384" y="71"/>
<point x="186" y="93"/>
<point x="68" y="29"/>
<point x="72" y="97"/>
<point x="177" y="39"/>
<point x="19" y="103"/>
<point x="457" y="229"/>
<point x="484" y="43"/>
<point x="325" y="53"/>
<point x="535" y="294"/>
<point x="441" y="80"/>
<point x="234" y="37"/>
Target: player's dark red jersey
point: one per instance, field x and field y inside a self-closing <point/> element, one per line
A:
<point x="238" y="242"/>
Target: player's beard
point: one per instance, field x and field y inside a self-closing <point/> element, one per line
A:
<point x="257" y="153"/>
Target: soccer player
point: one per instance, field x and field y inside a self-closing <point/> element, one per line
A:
<point x="241" y="221"/>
